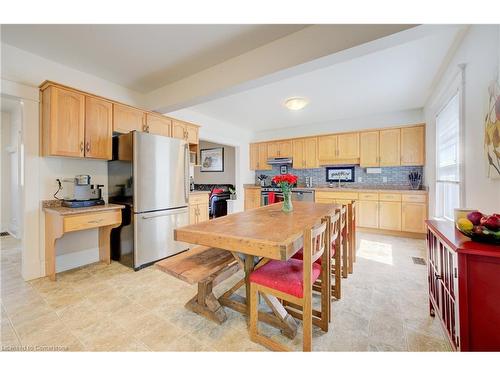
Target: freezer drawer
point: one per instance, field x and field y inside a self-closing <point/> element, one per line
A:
<point x="154" y="235"/>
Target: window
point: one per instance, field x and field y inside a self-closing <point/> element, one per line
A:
<point x="448" y="151"/>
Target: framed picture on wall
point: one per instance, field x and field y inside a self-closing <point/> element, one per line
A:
<point x="342" y="174"/>
<point x="212" y="159"/>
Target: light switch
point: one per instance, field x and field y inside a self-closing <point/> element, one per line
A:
<point x="384" y="179"/>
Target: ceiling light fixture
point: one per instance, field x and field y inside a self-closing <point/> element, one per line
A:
<point x="294" y="104"/>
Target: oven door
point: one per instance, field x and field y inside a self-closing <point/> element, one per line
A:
<point x="264" y="198"/>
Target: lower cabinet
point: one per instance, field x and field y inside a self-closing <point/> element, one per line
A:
<point x="413" y="217"/>
<point x="252" y="198"/>
<point x="198" y="208"/>
<point x="389" y="215"/>
<point x="367" y="214"/>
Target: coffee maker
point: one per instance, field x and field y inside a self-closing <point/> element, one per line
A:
<point x="80" y="193"/>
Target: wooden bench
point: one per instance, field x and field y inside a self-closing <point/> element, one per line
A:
<point x="206" y="266"/>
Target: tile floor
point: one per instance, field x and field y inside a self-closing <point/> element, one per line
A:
<point x="112" y="308"/>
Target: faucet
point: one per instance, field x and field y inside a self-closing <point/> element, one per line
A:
<point x="339" y="182"/>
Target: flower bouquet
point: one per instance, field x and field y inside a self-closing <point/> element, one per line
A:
<point x="286" y="182"/>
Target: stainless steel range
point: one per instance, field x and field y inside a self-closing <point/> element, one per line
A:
<point x="298" y="194"/>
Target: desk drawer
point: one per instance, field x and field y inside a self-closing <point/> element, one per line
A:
<point x="91" y="220"/>
<point x="390" y="197"/>
<point x="416" y="198"/>
<point x="199" y="198"/>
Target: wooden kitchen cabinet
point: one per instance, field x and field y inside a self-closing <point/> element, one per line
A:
<point x="413" y="216"/>
<point x="63" y="122"/>
<point x="279" y="149"/>
<point x="127" y="119"/>
<point x="348" y="147"/>
<point x="254" y="156"/>
<point x="252" y="198"/>
<point x="413" y="145"/>
<point x="368" y="214"/>
<point x="304" y="153"/>
<point x="98" y="128"/>
<point x="198" y="208"/>
<point x="327" y="149"/>
<point x="185" y="130"/>
<point x="158" y="124"/>
<point x="390" y="148"/>
<point x="389" y="215"/>
<point x="263" y="156"/>
<point x="369" y="149"/>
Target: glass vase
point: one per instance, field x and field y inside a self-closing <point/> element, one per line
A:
<point x="287" y="201"/>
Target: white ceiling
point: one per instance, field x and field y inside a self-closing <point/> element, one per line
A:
<point x="141" y="57"/>
<point x="388" y="80"/>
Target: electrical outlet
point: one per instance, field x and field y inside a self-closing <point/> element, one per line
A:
<point x="384" y="179"/>
<point x="360" y="179"/>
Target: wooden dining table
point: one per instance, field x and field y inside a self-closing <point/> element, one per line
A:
<point x="261" y="233"/>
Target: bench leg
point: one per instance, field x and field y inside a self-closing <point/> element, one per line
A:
<point x="205" y="303"/>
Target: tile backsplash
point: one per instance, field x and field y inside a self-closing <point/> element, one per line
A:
<point x="394" y="176"/>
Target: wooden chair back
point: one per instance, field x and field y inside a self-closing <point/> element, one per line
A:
<point x="334" y="227"/>
<point x="315" y="242"/>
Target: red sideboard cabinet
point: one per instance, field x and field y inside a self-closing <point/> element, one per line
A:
<point x="464" y="287"/>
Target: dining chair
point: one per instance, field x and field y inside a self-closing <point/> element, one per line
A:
<point x="291" y="281"/>
<point x="351" y="231"/>
<point x="344" y="241"/>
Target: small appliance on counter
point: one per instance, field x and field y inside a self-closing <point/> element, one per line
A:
<point x="81" y="193"/>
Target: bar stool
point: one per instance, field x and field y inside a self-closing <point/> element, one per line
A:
<point x="291" y="281"/>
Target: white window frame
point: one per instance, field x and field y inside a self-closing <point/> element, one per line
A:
<point x="459" y="89"/>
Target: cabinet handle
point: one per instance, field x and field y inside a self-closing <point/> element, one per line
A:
<point x="94" y="221"/>
<point x="81" y="146"/>
<point x="438" y="277"/>
<point x="88" y="147"/>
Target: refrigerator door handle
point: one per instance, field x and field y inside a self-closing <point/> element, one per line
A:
<point x="186" y="172"/>
<point x="167" y="213"/>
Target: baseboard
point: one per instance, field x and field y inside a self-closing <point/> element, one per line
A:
<point x="68" y="261"/>
<point x="392" y="232"/>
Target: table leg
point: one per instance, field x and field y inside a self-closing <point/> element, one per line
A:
<point x="53" y="231"/>
<point x="104" y="243"/>
<point x="249" y="265"/>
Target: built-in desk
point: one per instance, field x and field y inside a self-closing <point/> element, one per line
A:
<point x="60" y="220"/>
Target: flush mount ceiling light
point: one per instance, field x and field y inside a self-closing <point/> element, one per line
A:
<point x="294" y="104"/>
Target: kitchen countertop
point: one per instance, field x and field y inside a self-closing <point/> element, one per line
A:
<point x="194" y="192"/>
<point x="371" y="189"/>
<point x="54" y="206"/>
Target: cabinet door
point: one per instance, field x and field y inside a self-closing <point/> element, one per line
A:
<point x="389" y="215"/>
<point x="390" y="148"/>
<point x="298" y="154"/>
<point x="203" y="212"/>
<point x="158" y="124"/>
<point x="413" y="217"/>
<point x="413" y="145"/>
<point x="327" y="149"/>
<point x="348" y="146"/>
<point x="311" y="152"/>
<point x="285" y="149"/>
<point x="369" y="149"/>
<point x="127" y="119"/>
<point x="193" y="213"/>
<point x="252" y="198"/>
<point x="273" y="150"/>
<point x="263" y="157"/>
<point x="254" y="156"/>
<point x="178" y="130"/>
<point x="63" y="122"/>
<point x="98" y="128"/>
<point x="192" y="134"/>
<point x="368" y="214"/>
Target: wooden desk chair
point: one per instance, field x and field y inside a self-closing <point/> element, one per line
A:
<point x="291" y="281"/>
<point x="344" y="241"/>
<point x="351" y="234"/>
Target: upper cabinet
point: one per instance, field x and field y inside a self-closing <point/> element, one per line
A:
<point x="185" y="130"/>
<point x="338" y="149"/>
<point x="380" y="148"/>
<point x="305" y="153"/>
<point x="327" y="149"/>
<point x="98" y="128"/>
<point x="63" y="122"/>
<point x="127" y="119"/>
<point x="158" y="124"/>
<point x="254" y="156"/>
<point x="279" y="149"/>
<point x="412" y="145"/>
<point x="263" y="156"/>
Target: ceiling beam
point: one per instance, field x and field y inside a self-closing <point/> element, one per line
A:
<point x="305" y="50"/>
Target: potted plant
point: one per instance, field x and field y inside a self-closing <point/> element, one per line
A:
<point x="232" y="193"/>
<point x="286" y="182"/>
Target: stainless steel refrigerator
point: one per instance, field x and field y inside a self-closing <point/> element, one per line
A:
<point x="149" y="174"/>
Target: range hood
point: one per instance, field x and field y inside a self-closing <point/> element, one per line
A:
<point x="279" y="161"/>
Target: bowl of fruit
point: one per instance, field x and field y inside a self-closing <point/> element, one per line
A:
<point x="479" y="227"/>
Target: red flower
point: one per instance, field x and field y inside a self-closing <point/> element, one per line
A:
<point x="285" y="180"/>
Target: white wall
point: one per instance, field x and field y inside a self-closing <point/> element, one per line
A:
<point x="217" y="131"/>
<point x="21" y="74"/>
<point x="480" y="50"/>
<point x="412" y="116"/>
<point x="5" y="140"/>
<point x="225" y="177"/>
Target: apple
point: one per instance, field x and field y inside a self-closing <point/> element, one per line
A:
<point x="478" y="229"/>
<point x="497" y="215"/>
<point x="492" y="223"/>
<point x="475" y="217"/>
<point x="483" y="220"/>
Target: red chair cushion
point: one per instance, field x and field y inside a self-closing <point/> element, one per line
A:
<point x="287" y="277"/>
<point x="300" y="254"/>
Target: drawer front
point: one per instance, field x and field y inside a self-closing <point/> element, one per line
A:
<point x="198" y="198"/>
<point x="337" y="195"/>
<point x="91" y="220"/>
<point x="388" y="197"/>
<point x="416" y="198"/>
<point x="368" y="196"/>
